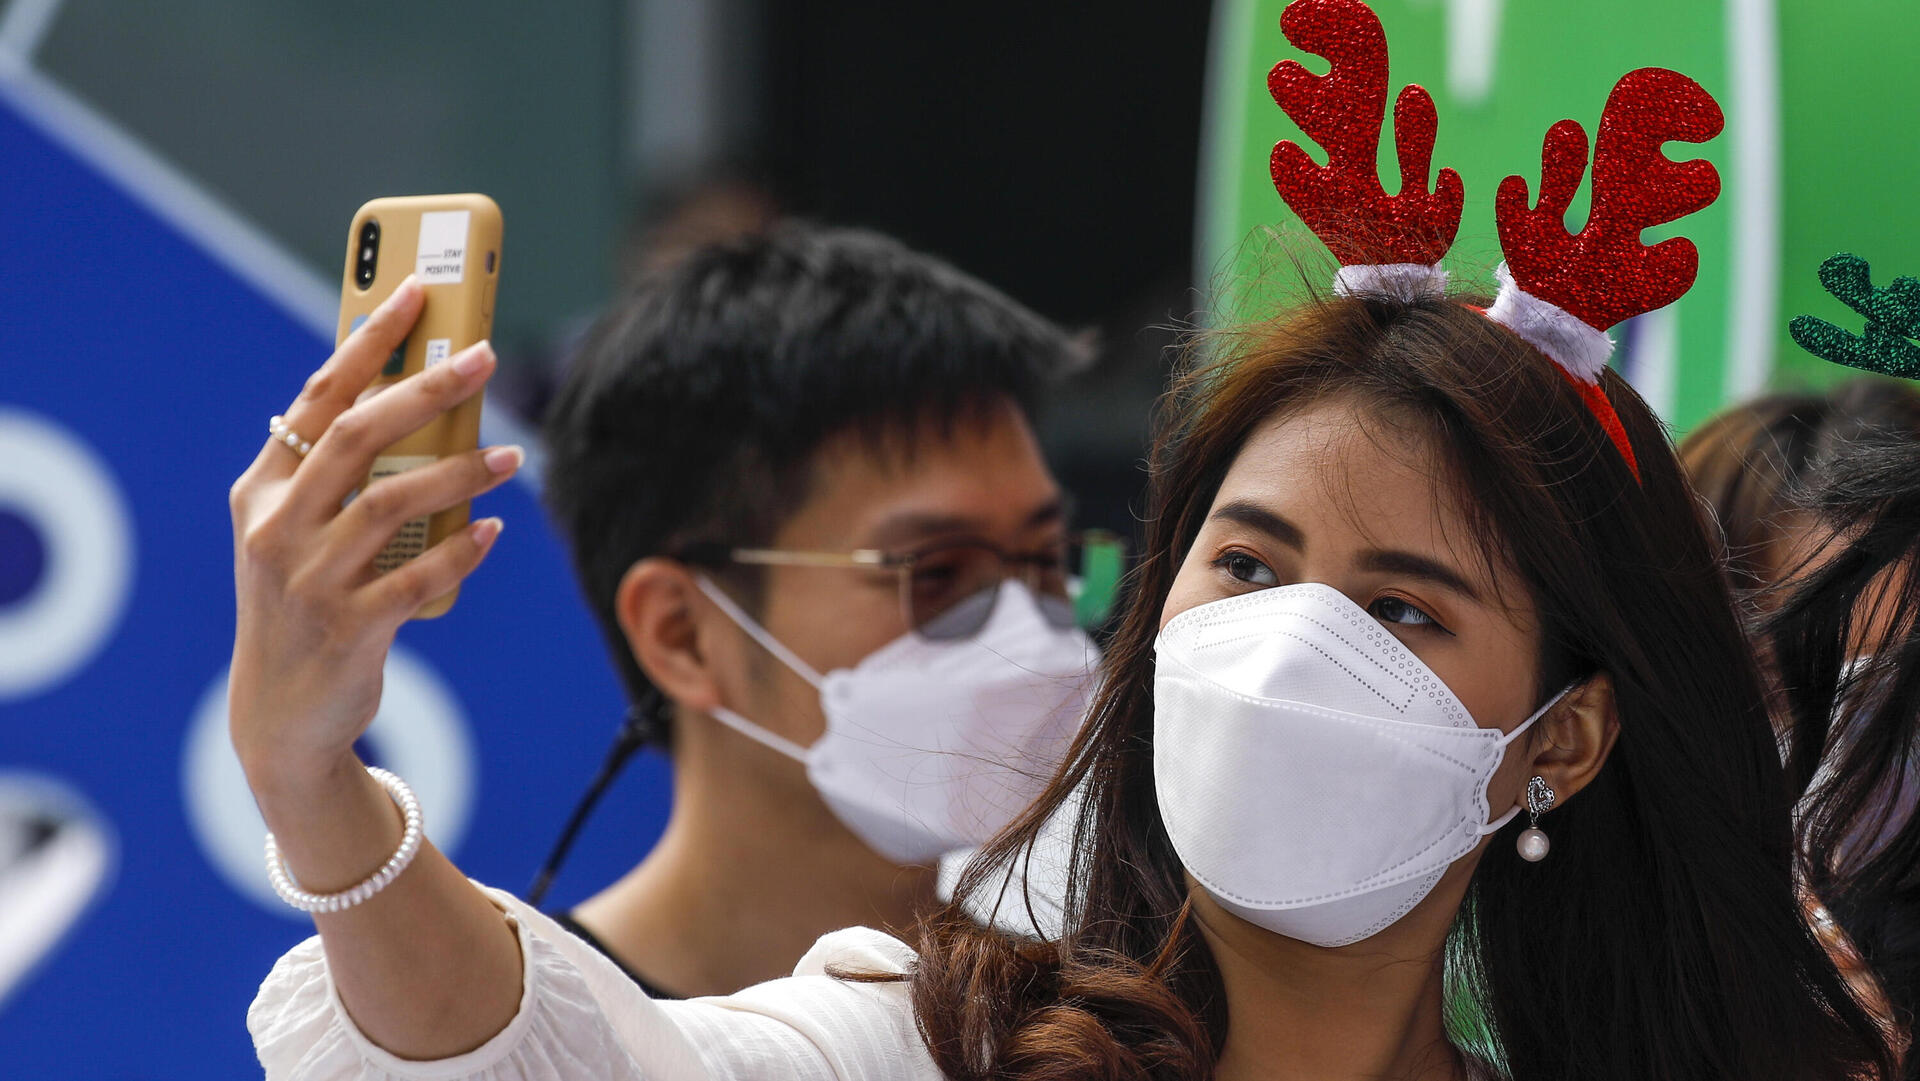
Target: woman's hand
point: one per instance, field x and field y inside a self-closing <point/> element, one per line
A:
<point x="314" y="622"/>
<point x="427" y="966"/>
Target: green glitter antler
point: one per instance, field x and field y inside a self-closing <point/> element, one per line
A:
<point x="1893" y="317"/>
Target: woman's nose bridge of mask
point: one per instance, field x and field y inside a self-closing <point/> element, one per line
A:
<point x="1308" y="642"/>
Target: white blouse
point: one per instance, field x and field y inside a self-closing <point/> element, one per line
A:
<point x="581" y="1017"/>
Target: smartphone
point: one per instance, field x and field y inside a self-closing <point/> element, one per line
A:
<point x="451" y="243"/>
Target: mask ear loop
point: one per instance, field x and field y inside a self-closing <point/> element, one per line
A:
<point x="1507" y="740"/>
<point x="768" y="642"/>
<point x="758" y="734"/>
<point x="758" y="633"/>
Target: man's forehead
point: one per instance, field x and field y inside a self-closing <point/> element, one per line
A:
<point x="975" y="477"/>
<point x="904" y="527"/>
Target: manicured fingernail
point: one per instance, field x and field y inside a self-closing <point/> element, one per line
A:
<point x="473" y="358"/>
<point x="501" y="459"/>
<point x="486" y="530"/>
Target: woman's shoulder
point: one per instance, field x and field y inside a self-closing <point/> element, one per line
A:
<point x="857" y="950"/>
<point x="848" y="1001"/>
<point x="845" y="1015"/>
<point x="846" y="1012"/>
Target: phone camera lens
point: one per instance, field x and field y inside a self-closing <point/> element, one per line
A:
<point x="369" y="255"/>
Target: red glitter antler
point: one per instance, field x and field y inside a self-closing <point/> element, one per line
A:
<point x="1604" y="274"/>
<point x="1343" y="201"/>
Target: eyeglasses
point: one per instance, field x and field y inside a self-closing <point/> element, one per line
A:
<point x="948" y="591"/>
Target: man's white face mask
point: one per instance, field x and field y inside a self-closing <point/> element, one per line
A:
<point x="932" y="746"/>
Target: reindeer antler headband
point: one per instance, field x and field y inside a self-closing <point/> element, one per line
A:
<point x="1560" y="292"/>
<point x="1892" y="314"/>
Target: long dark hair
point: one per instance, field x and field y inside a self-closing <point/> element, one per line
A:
<point x="1753" y="462"/>
<point x="1854" y="705"/>
<point x="1661" y="941"/>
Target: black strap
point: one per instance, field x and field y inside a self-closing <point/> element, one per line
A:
<point x="641" y="726"/>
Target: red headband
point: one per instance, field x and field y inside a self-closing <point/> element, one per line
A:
<point x="1560" y="292"/>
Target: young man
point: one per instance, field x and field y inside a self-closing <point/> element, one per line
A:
<point x="805" y="501"/>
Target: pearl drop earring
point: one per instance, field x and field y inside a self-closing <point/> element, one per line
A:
<point x="1533" y="844"/>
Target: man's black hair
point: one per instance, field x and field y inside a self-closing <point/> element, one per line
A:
<point x="695" y="407"/>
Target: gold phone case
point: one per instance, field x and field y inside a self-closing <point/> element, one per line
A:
<point x="452" y="243"/>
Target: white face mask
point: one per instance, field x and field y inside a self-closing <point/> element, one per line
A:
<point x="934" y="746"/>
<point x="1313" y="775"/>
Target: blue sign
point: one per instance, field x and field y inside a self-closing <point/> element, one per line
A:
<point x="138" y="367"/>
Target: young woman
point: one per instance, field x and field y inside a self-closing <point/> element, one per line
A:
<point x="1846" y="638"/>
<point x="1782" y="479"/>
<point x="1814" y="498"/>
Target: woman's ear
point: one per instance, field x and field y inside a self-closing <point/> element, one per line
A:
<point x="1576" y="736"/>
<point x="656" y="605"/>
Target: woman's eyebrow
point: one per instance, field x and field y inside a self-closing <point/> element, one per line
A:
<point x="1392" y="561"/>
<point x="1254" y="516"/>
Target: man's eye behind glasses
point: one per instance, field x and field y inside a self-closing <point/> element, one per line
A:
<point x="1076" y="577"/>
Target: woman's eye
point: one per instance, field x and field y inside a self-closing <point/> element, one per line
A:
<point x="1395" y="610"/>
<point x="1242" y="567"/>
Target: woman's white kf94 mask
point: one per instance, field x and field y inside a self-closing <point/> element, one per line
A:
<point x="1313" y="775"/>
<point x="935" y="746"/>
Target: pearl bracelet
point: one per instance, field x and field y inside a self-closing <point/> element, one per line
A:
<point x="410" y="839"/>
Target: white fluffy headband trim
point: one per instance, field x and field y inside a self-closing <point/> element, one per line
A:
<point x="1405" y="282"/>
<point x="1575" y="346"/>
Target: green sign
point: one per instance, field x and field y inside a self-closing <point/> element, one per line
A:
<point x="1818" y="156"/>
